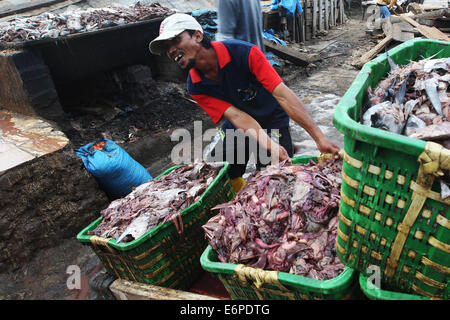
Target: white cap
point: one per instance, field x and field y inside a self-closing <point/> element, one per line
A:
<point x="171" y="27"/>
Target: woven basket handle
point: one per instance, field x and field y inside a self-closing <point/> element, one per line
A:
<point x="99" y="241"/>
<point x="258" y="276"/>
<point x="434" y="159"/>
<point x="327" y="156"/>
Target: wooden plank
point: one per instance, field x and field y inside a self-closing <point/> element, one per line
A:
<point x="294" y="29"/>
<point x="402" y="31"/>
<point x="332" y="16"/>
<point x="339" y="4"/>
<point x="429" y="32"/>
<point x="336" y="8"/>
<point x="303" y="20"/>
<point x="437" y="14"/>
<point x="297" y="58"/>
<point x="303" y="26"/>
<point x="334" y="12"/>
<point x="320" y="15"/>
<point x="374" y="51"/>
<point x="130" y="290"/>
<point x="430" y="23"/>
<point x="330" y="13"/>
<point x="338" y="11"/>
<point x="265" y="20"/>
<point x="314" y="19"/>
<point x="326" y="15"/>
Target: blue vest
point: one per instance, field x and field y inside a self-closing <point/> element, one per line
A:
<point x="239" y="87"/>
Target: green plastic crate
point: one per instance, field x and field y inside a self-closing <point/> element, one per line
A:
<point x="162" y="256"/>
<point x="375" y="293"/>
<point x="391" y="212"/>
<point x="247" y="283"/>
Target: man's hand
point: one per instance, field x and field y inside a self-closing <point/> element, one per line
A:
<point x="279" y="154"/>
<point x="242" y="121"/>
<point x="326" y="146"/>
<point x="296" y="111"/>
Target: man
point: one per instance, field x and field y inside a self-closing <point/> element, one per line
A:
<point x="234" y="80"/>
<point x="384" y="10"/>
<point x="241" y="20"/>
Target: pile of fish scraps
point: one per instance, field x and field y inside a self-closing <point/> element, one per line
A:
<point x="414" y="100"/>
<point x="52" y="25"/>
<point x="284" y="219"/>
<point x="156" y="202"/>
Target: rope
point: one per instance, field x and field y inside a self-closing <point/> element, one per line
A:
<point x="258" y="276"/>
<point x="96" y="240"/>
<point x="327" y="156"/>
<point x="433" y="160"/>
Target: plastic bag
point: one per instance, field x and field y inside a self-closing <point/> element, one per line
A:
<point x="115" y="170"/>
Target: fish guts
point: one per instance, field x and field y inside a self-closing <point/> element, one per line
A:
<point x="155" y="202"/>
<point x="52" y="25"/>
<point x="284" y="219"/>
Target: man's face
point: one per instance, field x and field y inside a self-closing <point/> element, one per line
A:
<point x="183" y="49"/>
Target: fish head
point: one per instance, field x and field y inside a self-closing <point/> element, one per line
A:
<point x="388" y="120"/>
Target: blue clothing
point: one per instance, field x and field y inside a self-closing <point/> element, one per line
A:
<point x="384" y="12"/>
<point x="292" y="6"/>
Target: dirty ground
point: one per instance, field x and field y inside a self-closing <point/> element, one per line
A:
<point x="125" y="105"/>
<point x="320" y="86"/>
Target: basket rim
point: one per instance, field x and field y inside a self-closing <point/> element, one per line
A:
<point x="342" y="281"/>
<point x="85" y="238"/>
<point x="303" y="159"/>
<point x="346" y="125"/>
<point x="380" y="294"/>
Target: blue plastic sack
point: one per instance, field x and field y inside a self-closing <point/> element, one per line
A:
<point x="269" y="56"/>
<point x="114" y="169"/>
<point x="269" y="35"/>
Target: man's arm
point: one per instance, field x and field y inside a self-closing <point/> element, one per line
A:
<point x="217" y="109"/>
<point x="244" y="122"/>
<point x="297" y="112"/>
<point x="269" y="78"/>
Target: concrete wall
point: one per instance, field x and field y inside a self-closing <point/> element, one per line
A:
<point x="44" y="201"/>
<point x="26" y="85"/>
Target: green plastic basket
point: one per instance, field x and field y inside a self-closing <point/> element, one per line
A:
<point x="247" y="283"/>
<point x="162" y="256"/>
<point x="256" y="284"/>
<point x="391" y="213"/>
<point x="375" y="293"/>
